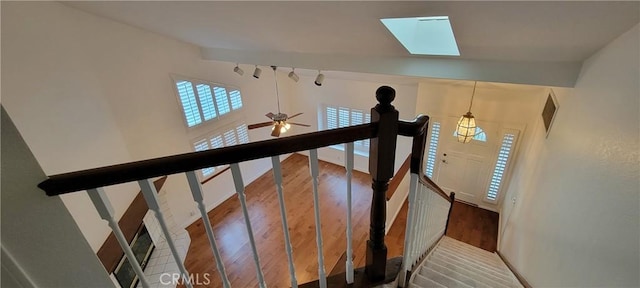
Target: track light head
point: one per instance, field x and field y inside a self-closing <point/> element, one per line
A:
<point x="238" y="70"/>
<point x="257" y="72"/>
<point x="293" y="75"/>
<point x="319" y="79"/>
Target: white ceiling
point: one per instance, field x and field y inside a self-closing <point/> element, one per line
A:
<point x="528" y="31"/>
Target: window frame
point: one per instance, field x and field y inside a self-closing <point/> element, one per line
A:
<point x="195" y="82"/>
<point x="361" y="147"/>
<point x="220" y="132"/>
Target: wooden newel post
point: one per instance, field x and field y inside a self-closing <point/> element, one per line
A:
<point x="382" y="155"/>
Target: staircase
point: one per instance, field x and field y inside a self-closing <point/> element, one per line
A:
<point x="456" y="264"/>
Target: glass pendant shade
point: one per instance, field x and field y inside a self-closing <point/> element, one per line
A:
<point x="466" y="128"/>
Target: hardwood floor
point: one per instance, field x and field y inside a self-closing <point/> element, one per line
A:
<point x="474" y="226"/>
<point x="264" y="212"/>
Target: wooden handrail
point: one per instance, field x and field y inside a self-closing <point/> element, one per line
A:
<point x="145" y="169"/>
<point x="395" y="181"/>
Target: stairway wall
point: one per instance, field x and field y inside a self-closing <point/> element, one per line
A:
<point x="575" y="218"/>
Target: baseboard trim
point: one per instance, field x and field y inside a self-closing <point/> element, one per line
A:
<point x="519" y="276"/>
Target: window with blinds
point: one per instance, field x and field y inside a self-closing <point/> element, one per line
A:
<point x="202" y="101"/>
<point x="237" y="134"/>
<point x="433" y="147"/>
<point x="506" y="150"/>
<point x="339" y="117"/>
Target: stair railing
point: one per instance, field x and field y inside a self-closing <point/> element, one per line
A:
<point x="383" y="132"/>
<point x="428" y="213"/>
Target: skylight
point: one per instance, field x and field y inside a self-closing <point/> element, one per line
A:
<point x="424" y="35"/>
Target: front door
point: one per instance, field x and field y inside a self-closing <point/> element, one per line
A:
<point x="464" y="168"/>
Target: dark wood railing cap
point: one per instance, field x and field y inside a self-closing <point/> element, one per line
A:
<point x="385" y="95"/>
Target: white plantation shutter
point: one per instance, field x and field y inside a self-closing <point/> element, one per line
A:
<point x="222" y="100"/>
<point x="202" y="145"/>
<point x="206" y="101"/>
<point x="502" y="162"/>
<point x="332" y="117"/>
<point x="236" y="99"/>
<point x="343" y="117"/>
<point x="339" y="117"/>
<point x="233" y="136"/>
<point x="189" y="104"/>
<point x="230" y="138"/>
<point x="201" y="104"/>
<point x="216" y="142"/>
<point x="243" y="134"/>
<point x="433" y="147"/>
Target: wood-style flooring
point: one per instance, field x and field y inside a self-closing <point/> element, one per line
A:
<point x="473" y="225"/>
<point x="262" y="203"/>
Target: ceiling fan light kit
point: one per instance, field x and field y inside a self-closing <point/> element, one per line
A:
<point x="279" y="121"/>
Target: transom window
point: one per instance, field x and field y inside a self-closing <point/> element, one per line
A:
<point x="338" y="117"/>
<point x="480" y="135"/>
<point x="234" y="135"/>
<point x="204" y="101"/>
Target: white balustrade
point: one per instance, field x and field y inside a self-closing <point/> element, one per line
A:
<point x="196" y="191"/>
<point x="105" y="210"/>
<point x="313" y="164"/>
<point x="277" y="176"/>
<point x="239" y="184"/>
<point x="349" y="171"/>
<point x="151" y="197"/>
<point x="409" y="230"/>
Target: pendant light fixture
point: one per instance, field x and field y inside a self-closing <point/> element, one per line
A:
<point x="466" y="128"/>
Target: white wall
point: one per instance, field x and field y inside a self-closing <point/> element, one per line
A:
<point x="575" y="220"/>
<point x="41" y="244"/>
<point x="86" y="92"/>
<point x="54" y="93"/>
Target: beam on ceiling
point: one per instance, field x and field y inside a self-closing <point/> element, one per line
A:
<point x="558" y="74"/>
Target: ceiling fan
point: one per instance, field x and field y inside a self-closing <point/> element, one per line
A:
<point x="279" y="121"/>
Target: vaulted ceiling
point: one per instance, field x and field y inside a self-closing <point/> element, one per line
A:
<point x="519" y="42"/>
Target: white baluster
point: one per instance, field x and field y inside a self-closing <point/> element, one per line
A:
<point x="277" y="176"/>
<point x="196" y="191"/>
<point x="418" y="220"/>
<point x="239" y="184"/>
<point x="105" y="210"/>
<point x="409" y="231"/>
<point x="151" y="197"/>
<point x="313" y="164"/>
<point x="349" y="167"/>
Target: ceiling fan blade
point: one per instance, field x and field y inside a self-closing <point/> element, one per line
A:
<point x="299" y="124"/>
<point x="276" y="130"/>
<point x="270" y="115"/>
<point x="294" y="115"/>
<point x="260" y="125"/>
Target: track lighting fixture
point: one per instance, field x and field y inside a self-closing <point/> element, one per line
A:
<point x="319" y="78"/>
<point x="238" y="70"/>
<point x="293" y="75"/>
<point x="257" y="72"/>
